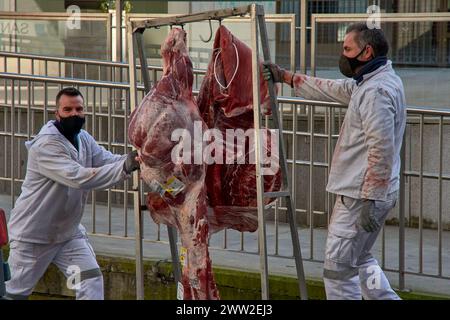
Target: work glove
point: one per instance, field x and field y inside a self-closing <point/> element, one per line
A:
<point x="271" y="70"/>
<point x="131" y="164"/>
<point x="367" y="218"/>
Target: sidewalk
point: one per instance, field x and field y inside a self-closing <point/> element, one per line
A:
<point x="249" y="260"/>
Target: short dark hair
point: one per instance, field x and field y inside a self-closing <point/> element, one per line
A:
<point x="366" y="36"/>
<point x="69" y="91"/>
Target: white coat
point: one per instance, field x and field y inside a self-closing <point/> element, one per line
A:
<point x="57" y="182"/>
<point x="366" y="160"/>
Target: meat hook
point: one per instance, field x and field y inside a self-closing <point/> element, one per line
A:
<point x="210" y="33"/>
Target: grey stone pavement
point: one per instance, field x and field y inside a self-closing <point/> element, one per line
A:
<point x="248" y="260"/>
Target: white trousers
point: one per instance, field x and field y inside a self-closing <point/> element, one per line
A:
<point x="350" y="270"/>
<point x="75" y="258"/>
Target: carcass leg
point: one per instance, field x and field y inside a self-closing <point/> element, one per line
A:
<point x="197" y="278"/>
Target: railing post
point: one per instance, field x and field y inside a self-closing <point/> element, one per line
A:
<point x="118" y="71"/>
<point x="401" y="220"/>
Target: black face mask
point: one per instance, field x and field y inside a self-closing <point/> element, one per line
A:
<point x="347" y="65"/>
<point x="72" y="125"/>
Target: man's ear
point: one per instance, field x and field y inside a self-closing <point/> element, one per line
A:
<point x="369" y="53"/>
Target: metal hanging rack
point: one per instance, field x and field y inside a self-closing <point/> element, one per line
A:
<point x="135" y="38"/>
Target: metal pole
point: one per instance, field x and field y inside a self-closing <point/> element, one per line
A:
<point x="143" y="61"/>
<point x="421" y="202"/>
<point x="292" y="39"/>
<point x="329" y="157"/>
<point x="303" y="22"/>
<point x="441" y="134"/>
<point x="258" y="149"/>
<point x="108" y="38"/>
<point x="135" y="188"/>
<point x="401" y="230"/>
<point x="118" y="71"/>
<point x="13" y="131"/>
<point x="284" y="170"/>
<point x="189" y="18"/>
<point x="94" y="200"/>
<point x="313" y="46"/>
<point x="294" y="158"/>
<point x="119" y="7"/>
<point x="311" y="182"/>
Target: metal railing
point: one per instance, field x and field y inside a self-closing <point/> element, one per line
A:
<point x="105" y="70"/>
<point x="310" y="129"/>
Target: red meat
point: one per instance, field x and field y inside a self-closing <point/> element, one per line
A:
<point x="226" y="102"/>
<point x="167" y="107"/>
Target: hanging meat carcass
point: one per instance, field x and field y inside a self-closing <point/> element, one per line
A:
<point x="225" y="102"/>
<point x="178" y="196"/>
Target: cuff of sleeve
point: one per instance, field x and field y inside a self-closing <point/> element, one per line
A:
<point x="124" y="173"/>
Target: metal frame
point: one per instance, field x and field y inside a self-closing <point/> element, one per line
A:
<point x="135" y="31"/>
<point x="275" y="18"/>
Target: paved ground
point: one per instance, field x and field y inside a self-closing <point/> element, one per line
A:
<point x="233" y="257"/>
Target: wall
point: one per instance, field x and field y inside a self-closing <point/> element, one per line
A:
<point x="120" y="283"/>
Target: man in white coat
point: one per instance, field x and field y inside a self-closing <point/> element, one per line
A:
<point x="64" y="164"/>
<point x="366" y="162"/>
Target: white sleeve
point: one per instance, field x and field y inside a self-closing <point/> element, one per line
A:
<point x="378" y="121"/>
<point x="323" y="89"/>
<point x="55" y="163"/>
<point x="101" y="156"/>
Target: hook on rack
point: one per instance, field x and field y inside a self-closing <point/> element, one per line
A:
<point x="210" y="34"/>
